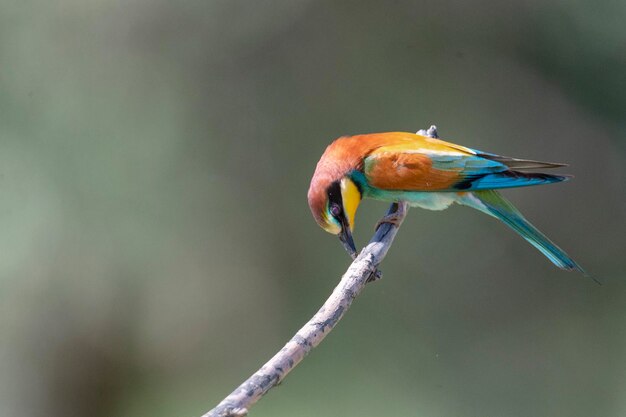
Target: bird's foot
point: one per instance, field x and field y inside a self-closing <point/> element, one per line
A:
<point x="390" y="218"/>
<point x="396" y="217"/>
<point x="378" y="274"/>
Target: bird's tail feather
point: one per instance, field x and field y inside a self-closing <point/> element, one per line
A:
<point x="492" y="203"/>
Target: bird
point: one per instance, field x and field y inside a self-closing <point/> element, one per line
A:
<point x="424" y="172"/>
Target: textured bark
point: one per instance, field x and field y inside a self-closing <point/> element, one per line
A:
<point x="360" y="272"/>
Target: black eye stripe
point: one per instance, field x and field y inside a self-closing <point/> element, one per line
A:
<point x="334" y="199"/>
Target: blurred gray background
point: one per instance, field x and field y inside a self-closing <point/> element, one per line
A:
<point x="156" y="244"/>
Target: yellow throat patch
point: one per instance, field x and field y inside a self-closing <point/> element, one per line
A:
<point x="351" y="197"/>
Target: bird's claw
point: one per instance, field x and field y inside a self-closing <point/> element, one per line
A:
<point x="394" y="218"/>
<point x="378" y="274"/>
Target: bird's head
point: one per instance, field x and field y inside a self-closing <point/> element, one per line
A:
<point x="333" y="200"/>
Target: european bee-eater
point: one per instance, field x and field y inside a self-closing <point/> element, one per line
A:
<point x="424" y="172"/>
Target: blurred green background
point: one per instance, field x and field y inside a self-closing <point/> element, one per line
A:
<point x="156" y="243"/>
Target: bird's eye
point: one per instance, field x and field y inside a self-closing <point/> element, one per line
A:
<point x="335" y="210"/>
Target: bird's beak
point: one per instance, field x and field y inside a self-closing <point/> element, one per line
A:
<point x="346" y="239"/>
<point x="351" y="197"/>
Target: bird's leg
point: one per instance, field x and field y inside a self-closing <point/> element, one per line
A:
<point x="397" y="212"/>
<point x="396" y="217"/>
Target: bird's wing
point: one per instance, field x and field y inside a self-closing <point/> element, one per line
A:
<point x="426" y="164"/>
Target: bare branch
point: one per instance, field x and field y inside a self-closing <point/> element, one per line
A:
<point x="360" y="272"/>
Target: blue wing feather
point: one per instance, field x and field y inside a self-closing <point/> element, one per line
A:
<point x="480" y="173"/>
<point x="507" y="179"/>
